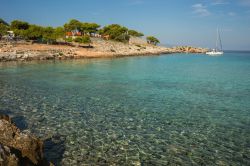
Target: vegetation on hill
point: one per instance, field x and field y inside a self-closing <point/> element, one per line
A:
<point x="4" y="27"/>
<point x="135" y="33"/>
<point x="84" y="30"/>
<point x="152" y="40"/>
<point x="115" y="32"/>
<point x="3" y="22"/>
<point x="83" y="27"/>
<point x="83" y="39"/>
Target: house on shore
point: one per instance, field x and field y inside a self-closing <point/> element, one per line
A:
<point x="10" y="35"/>
<point x="73" y="34"/>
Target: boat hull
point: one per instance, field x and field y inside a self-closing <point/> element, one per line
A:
<point x="215" y="53"/>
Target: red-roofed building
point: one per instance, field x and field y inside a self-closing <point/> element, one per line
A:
<point x="73" y="34"/>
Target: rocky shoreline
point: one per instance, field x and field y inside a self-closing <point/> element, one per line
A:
<point x="18" y="148"/>
<point x="24" y="51"/>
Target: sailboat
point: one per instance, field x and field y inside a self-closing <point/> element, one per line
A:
<point x="218" y="49"/>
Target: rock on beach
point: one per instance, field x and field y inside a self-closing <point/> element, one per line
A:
<point x="18" y="148"/>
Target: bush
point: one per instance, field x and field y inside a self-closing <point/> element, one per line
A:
<point x="78" y="40"/>
<point x="152" y="40"/>
<point x="84" y="39"/>
<point x="3" y="29"/>
<point x="69" y="39"/>
<point x="48" y="41"/>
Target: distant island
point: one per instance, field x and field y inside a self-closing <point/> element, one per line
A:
<point x="21" y="40"/>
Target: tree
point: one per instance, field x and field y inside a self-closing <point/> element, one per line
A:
<point x="49" y="35"/>
<point x="116" y="32"/>
<point x="84" y="27"/>
<point x="19" y="25"/>
<point x="3" y="29"/>
<point x="34" y="32"/>
<point x="19" y="28"/>
<point x="135" y="33"/>
<point x="89" y="28"/>
<point x="73" y="25"/>
<point x="152" y="40"/>
<point x="3" y="22"/>
<point x="59" y="32"/>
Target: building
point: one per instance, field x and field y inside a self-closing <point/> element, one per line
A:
<point x="9" y="36"/>
<point x="73" y="34"/>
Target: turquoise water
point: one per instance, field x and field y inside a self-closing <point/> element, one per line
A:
<point x="175" y="109"/>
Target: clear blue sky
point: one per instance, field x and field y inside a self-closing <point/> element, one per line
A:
<point x="174" y="22"/>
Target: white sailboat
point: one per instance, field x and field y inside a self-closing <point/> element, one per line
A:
<point x="218" y="49"/>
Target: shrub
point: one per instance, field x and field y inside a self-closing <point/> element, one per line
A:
<point x="78" y="40"/>
<point x="69" y="39"/>
<point x="84" y="39"/>
<point x="152" y="40"/>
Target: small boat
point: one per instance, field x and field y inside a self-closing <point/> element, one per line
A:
<point x="215" y="52"/>
<point x="218" y="49"/>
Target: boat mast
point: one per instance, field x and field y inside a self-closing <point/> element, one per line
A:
<point x="216" y="44"/>
<point x="220" y="40"/>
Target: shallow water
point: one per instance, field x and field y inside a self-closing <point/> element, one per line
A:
<point x="171" y="109"/>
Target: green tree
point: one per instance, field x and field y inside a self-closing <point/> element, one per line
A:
<point x="59" y="32"/>
<point x="152" y="40"/>
<point x="3" y="29"/>
<point x="3" y="22"/>
<point x="49" y="35"/>
<point x="19" y="25"/>
<point x="73" y="25"/>
<point x="135" y="33"/>
<point x="19" y="28"/>
<point x="34" y="32"/>
<point x="89" y="28"/>
<point x="116" y="32"/>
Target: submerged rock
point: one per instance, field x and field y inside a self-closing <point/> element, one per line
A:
<point x="18" y="148"/>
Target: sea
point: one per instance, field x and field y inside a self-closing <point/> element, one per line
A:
<point x="172" y="109"/>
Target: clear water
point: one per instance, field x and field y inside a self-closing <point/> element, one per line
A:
<point x="161" y="110"/>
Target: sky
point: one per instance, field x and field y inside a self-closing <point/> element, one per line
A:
<point x="174" y="22"/>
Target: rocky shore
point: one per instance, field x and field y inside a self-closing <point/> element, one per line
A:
<point x="14" y="51"/>
<point x="19" y="148"/>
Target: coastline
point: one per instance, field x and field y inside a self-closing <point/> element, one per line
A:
<point x="26" y="51"/>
